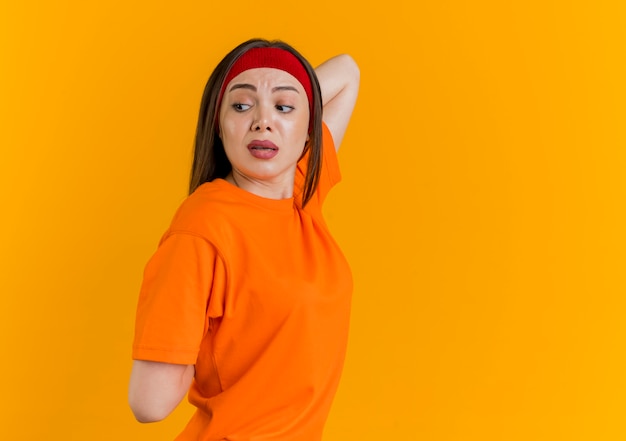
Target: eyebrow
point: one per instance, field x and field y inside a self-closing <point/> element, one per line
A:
<point x="253" y="88"/>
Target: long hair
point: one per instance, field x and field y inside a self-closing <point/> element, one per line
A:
<point x="209" y="158"/>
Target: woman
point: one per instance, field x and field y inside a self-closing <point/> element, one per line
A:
<point x="245" y="304"/>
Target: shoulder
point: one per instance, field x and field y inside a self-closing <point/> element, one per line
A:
<point x="203" y="211"/>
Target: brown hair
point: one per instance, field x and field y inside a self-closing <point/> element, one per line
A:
<point x="209" y="158"/>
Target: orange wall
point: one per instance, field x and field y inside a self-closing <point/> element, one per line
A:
<point x="482" y="208"/>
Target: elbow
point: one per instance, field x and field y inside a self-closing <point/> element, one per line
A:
<point x="146" y="418"/>
<point x="147" y="412"/>
<point x="149" y="407"/>
<point x="351" y="68"/>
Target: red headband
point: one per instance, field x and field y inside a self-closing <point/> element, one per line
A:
<point x="275" y="58"/>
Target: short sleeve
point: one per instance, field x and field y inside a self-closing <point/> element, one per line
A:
<point x="174" y="300"/>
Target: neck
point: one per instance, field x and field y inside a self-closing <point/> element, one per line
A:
<point x="280" y="189"/>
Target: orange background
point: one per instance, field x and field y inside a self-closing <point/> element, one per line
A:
<point x="482" y="208"/>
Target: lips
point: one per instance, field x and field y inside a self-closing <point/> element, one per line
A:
<point x="263" y="149"/>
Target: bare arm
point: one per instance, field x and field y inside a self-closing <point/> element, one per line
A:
<point x="339" y="80"/>
<point x="157" y="388"/>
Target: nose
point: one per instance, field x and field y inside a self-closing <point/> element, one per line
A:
<point x="261" y="120"/>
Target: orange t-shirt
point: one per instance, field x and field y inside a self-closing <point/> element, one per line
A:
<point x="256" y="293"/>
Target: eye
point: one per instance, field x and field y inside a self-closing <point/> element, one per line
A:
<point x="283" y="108"/>
<point x="240" y="107"/>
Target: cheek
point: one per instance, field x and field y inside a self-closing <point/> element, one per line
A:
<point x="304" y="129"/>
<point x="229" y="128"/>
<point x="227" y="123"/>
<point x="221" y="117"/>
<point x="301" y="126"/>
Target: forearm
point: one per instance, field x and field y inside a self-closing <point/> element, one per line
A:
<point x="339" y="79"/>
<point x="337" y="75"/>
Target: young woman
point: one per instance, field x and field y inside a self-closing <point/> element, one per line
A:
<point x="246" y="302"/>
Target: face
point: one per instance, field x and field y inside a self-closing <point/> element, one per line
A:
<point x="264" y="120"/>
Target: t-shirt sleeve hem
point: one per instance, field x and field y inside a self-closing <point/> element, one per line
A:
<point x="164" y="355"/>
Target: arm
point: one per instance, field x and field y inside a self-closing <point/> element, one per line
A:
<point x="157" y="388"/>
<point x="339" y="81"/>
